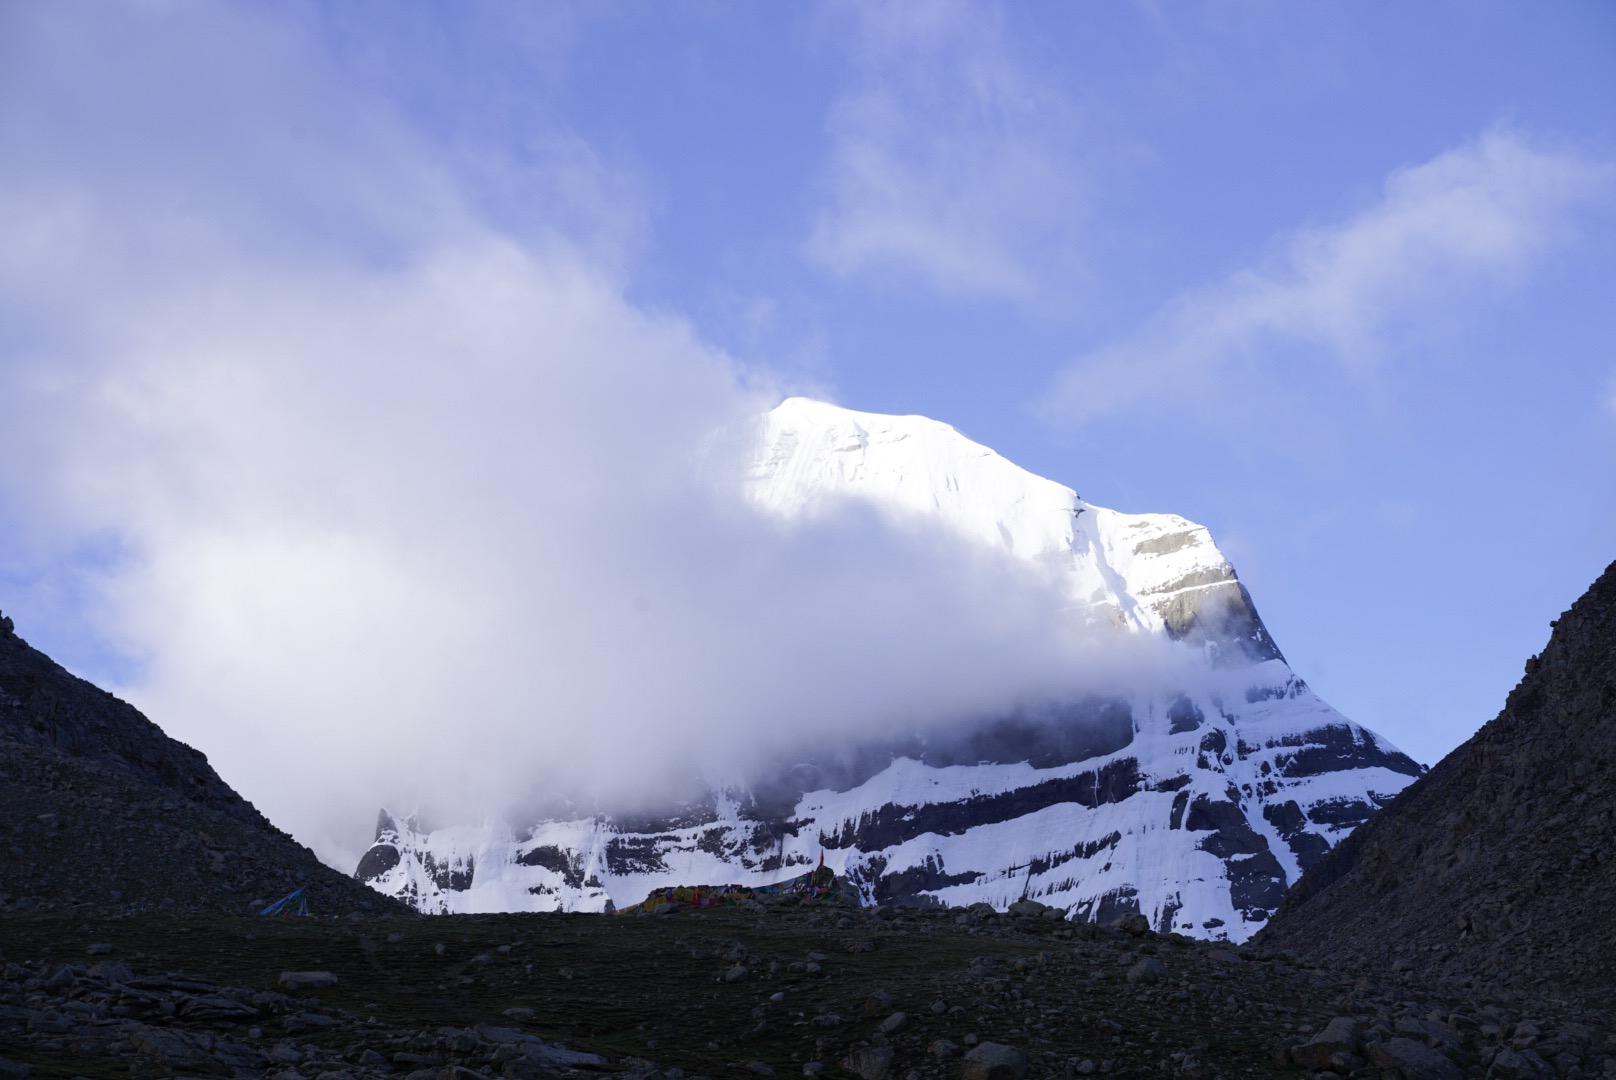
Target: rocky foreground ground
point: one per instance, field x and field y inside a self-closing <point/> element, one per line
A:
<point x="788" y="990"/>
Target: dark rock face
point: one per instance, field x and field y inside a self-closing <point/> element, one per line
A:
<point x="105" y="812"/>
<point x="890" y="825"/>
<point x="1499" y="864"/>
<point x="1222" y="615"/>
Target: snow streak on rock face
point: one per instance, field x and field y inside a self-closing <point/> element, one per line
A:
<point x="1194" y="805"/>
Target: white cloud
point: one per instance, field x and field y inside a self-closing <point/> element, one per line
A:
<point x="951" y="162"/>
<point x="403" y="500"/>
<point x="1450" y="230"/>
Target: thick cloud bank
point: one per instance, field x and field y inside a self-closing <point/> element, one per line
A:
<point x="391" y="504"/>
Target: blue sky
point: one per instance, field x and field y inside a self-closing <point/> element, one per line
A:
<point x="279" y="279"/>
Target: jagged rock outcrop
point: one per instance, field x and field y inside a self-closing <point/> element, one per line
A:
<point x="1499" y="864"/>
<point x="101" y="810"/>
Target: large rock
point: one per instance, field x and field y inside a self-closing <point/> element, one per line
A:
<point x="1520" y="1065"/>
<point x="1342" y="1035"/>
<point x="1147" y="970"/>
<point x="307" y="980"/>
<point x="1416" y="1060"/>
<point x="870" y="1062"/>
<point x="1132" y="922"/>
<point x="994" y="1061"/>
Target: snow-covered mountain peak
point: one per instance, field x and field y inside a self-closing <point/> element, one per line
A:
<point x="811" y="453"/>
<point x="1152" y="573"/>
<point x="1193" y="802"/>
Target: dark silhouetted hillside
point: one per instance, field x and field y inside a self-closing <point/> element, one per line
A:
<point x="1500" y="864"/>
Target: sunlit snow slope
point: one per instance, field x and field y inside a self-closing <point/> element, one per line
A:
<point x="1194" y="804"/>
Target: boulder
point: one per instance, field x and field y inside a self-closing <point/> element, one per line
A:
<point x="994" y="1061"/>
<point x="171" y="1048"/>
<point x="1428" y="1030"/>
<point x="112" y="971"/>
<point x="558" y="1056"/>
<point x="1343" y="1035"/>
<point x="307" y="980"/>
<point x="1416" y="1060"/>
<point x="871" y="1062"/>
<point x="1519" y="1065"/>
<point x="1147" y="970"/>
<point x="877" y="1003"/>
<point x="1133" y="923"/>
<point x="1027" y="909"/>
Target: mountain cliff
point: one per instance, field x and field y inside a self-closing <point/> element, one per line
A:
<point x="1194" y="802"/>
<point x="1499" y="864"/>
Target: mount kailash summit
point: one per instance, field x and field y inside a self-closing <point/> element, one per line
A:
<point x="1195" y="803"/>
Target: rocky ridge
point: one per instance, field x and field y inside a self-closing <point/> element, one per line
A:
<point x="1499" y="865"/>
<point x="100" y="810"/>
<point x="44" y="705"/>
